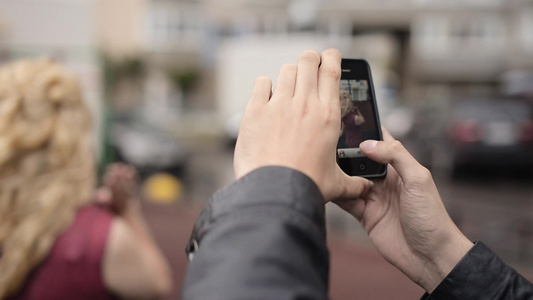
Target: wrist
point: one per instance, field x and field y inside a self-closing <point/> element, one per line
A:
<point x="131" y="209"/>
<point x="437" y="268"/>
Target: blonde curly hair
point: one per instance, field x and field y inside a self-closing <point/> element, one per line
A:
<point x="46" y="163"/>
<point x="346" y="102"/>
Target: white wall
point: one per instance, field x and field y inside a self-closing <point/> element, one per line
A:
<point x="241" y="61"/>
<point x="63" y="29"/>
<point x="48" y="24"/>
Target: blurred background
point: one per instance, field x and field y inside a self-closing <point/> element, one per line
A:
<point x="167" y="81"/>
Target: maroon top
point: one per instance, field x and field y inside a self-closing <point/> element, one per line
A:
<point x="73" y="269"/>
<point x="354" y="135"/>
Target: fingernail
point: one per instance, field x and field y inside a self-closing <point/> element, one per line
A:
<point x="368" y="145"/>
<point x="368" y="188"/>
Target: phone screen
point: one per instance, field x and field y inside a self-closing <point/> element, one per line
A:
<point x="359" y="120"/>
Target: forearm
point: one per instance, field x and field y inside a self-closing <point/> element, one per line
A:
<point x="135" y="220"/>
<point x="261" y="238"/>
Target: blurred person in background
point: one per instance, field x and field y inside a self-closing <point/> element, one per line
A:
<point x="351" y="121"/>
<point x="55" y="243"/>
<point x="264" y="236"/>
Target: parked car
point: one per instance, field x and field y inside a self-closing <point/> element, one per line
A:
<point x="491" y="133"/>
<point x="147" y="146"/>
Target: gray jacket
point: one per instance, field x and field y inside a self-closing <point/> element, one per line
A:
<point x="263" y="237"/>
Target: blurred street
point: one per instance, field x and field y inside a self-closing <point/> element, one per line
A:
<point x="167" y="81"/>
<point x="496" y="209"/>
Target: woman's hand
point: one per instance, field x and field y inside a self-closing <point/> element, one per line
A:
<point x="297" y="126"/>
<point x="359" y="118"/>
<point x="120" y="188"/>
<point x="405" y="217"/>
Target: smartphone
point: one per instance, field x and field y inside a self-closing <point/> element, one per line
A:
<point x="359" y="120"/>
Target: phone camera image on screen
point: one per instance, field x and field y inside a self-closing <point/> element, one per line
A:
<point x="359" y="120"/>
<point x="355" y="112"/>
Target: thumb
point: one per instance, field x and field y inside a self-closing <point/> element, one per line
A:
<point x="354" y="187"/>
<point x="354" y="207"/>
<point x="394" y="153"/>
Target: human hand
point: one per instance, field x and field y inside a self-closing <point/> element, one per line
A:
<point x="358" y="118"/>
<point x="120" y="188"/>
<point x="298" y="125"/>
<point x="405" y="218"/>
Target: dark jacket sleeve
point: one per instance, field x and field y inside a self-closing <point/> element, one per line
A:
<point x="262" y="237"/>
<point x="482" y="275"/>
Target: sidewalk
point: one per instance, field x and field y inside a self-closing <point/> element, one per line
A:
<point x="357" y="271"/>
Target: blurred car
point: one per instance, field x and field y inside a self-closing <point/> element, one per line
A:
<point x="491" y="133"/>
<point x="146" y="145"/>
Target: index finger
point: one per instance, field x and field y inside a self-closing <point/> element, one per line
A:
<point x="329" y="76"/>
<point x="387" y="137"/>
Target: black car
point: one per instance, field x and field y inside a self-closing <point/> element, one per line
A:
<point x="491" y="133"/>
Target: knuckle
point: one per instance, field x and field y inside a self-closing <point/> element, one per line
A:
<point x="425" y="175"/>
<point x="310" y="56"/>
<point x="397" y="146"/>
<point x="331" y="116"/>
<point x="333" y="72"/>
<point x="302" y="110"/>
<point x="422" y="177"/>
<point x="331" y="52"/>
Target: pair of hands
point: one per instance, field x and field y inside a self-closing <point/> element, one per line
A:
<point x="297" y="126"/>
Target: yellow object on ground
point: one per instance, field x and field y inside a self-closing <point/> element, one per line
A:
<point x="162" y="188"/>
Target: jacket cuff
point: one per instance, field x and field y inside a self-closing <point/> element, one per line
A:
<point x="272" y="186"/>
<point x="480" y="272"/>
